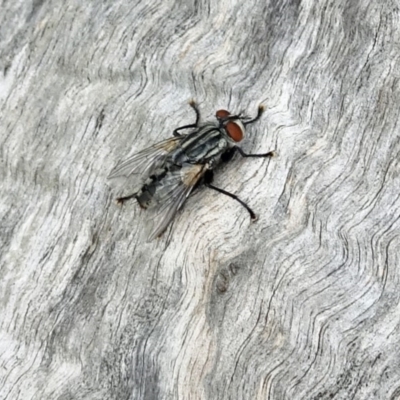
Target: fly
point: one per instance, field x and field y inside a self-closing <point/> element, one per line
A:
<point x="164" y="175"/>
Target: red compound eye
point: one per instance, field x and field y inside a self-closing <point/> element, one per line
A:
<point x="220" y="114"/>
<point x="235" y="130"/>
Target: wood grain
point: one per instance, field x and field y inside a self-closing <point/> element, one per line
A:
<point x="302" y="304"/>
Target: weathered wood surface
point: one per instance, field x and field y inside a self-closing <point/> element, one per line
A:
<point x="304" y="304"/>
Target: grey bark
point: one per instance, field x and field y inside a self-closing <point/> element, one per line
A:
<point x="302" y="304"/>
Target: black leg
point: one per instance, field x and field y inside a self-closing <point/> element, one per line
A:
<point x="121" y="200"/>
<point x="243" y="154"/>
<point x="260" y="111"/>
<point x="176" y="131"/>
<point x="193" y="104"/>
<point x="195" y="125"/>
<point x="232" y="196"/>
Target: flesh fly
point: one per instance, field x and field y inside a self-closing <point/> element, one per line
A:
<point x="164" y="175"/>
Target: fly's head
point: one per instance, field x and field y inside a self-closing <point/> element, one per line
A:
<point x="234" y="125"/>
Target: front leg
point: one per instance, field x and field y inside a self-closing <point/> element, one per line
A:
<point x="261" y="109"/>
<point x="192" y="104"/>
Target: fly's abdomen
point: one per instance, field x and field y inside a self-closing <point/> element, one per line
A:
<point x="200" y="146"/>
<point x="146" y="194"/>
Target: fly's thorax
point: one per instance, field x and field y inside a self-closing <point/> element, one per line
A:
<point x="205" y="143"/>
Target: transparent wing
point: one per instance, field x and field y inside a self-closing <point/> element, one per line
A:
<point x="171" y="194"/>
<point x="134" y="171"/>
